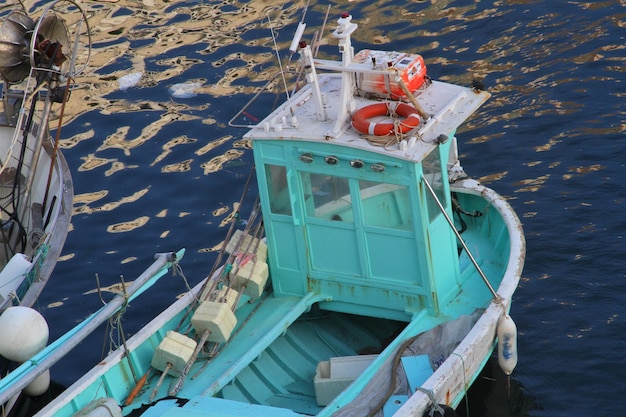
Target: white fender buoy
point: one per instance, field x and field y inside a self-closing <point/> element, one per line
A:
<point x="39" y="385"/>
<point x="13" y="274"/>
<point x="24" y="333"/>
<point x="507" y="344"/>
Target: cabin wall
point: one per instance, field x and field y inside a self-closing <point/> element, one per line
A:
<point x="445" y="278"/>
<point x="284" y="235"/>
<point x="352" y="233"/>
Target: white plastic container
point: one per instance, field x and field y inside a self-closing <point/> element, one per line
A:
<point x="13" y="274"/>
<point x="333" y="376"/>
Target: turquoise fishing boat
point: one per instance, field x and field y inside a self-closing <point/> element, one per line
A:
<point x="371" y="277"/>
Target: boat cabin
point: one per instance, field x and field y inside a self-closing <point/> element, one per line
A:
<point x="358" y="227"/>
<point x="350" y="218"/>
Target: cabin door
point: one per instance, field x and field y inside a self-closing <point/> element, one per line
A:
<point x="358" y="229"/>
<point x="331" y="231"/>
<point x="352" y="237"/>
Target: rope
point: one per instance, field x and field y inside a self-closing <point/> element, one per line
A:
<point x="115" y="322"/>
<point x="229" y="234"/>
<point x="39" y="258"/>
<point x="435" y="407"/>
<point x="178" y="270"/>
<point x="391" y="139"/>
<point x="464" y="380"/>
<point x="392" y="386"/>
<point x="209" y="286"/>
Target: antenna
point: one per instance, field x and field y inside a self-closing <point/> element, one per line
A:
<point x="280" y="66"/>
<point x="299" y="32"/>
<point x="316" y="46"/>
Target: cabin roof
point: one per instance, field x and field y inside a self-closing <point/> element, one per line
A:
<point x="447" y="105"/>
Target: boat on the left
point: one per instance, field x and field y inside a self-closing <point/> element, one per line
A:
<point x="40" y="57"/>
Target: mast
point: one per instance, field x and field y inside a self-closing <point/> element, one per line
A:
<point x="346" y="100"/>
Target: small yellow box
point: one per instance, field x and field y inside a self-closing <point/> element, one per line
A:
<point x="261" y="252"/>
<point x="253" y="275"/>
<point x="225" y="295"/>
<point x="248" y="244"/>
<point x="216" y="317"/>
<point x="176" y="349"/>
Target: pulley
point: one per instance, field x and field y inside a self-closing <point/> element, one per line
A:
<point x="45" y="44"/>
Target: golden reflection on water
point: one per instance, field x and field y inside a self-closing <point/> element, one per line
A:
<point x="117" y="25"/>
<point x="171" y="144"/>
<point x="216" y="163"/>
<point x="117" y="288"/>
<point x="532" y="184"/>
<point x="82" y="202"/>
<point x="231" y="216"/>
<point x="129" y="225"/>
<point x="181" y="166"/>
<point x="213" y="144"/>
<point x="214" y="25"/>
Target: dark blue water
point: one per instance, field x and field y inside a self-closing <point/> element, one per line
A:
<point x="157" y="173"/>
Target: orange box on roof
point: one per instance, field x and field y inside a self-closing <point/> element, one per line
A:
<point x="384" y="65"/>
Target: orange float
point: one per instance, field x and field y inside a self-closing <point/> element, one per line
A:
<point x="409" y="119"/>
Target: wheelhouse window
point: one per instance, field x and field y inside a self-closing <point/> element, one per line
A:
<point x="431" y="166"/>
<point x="327" y="197"/>
<point x="385" y="205"/>
<point x="277" y="189"/>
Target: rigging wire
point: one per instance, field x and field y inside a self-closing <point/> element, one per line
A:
<point x="280" y="64"/>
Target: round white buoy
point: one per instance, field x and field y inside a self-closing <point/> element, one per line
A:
<point x="24" y="333"/>
<point x="39" y="386"/>
<point x="507" y="344"/>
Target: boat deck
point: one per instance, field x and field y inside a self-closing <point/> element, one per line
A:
<point x="287" y="368"/>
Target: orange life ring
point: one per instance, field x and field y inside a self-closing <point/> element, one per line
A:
<point x="361" y="122"/>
